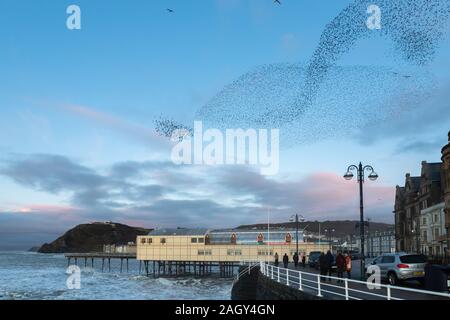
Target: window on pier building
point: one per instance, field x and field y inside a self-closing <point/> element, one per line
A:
<point x="193" y="240"/>
<point x="143" y="241"/>
<point x="204" y="252"/>
<point x="201" y="240"/>
<point x="234" y="252"/>
<point x="163" y="240"/>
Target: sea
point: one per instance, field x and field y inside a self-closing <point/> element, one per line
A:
<point x="35" y="276"/>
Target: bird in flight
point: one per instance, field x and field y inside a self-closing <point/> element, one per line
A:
<point x="277" y="1"/>
<point x="170" y="10"/>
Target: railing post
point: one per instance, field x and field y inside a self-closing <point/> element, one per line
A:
<point x="287" y="277"/>
<point x="346" y="289"/>
<point x="319" y="289"/>
<point x="272" y="272"/>
<point x="278" y="273"/>
<point x="389" y="292"/>
<point x="300" y="281"/>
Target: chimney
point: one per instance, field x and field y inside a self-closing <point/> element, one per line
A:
<point x="449" y="136"/>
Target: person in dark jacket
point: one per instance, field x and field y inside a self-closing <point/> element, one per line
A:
<point x="304" y="261"/>
<point x="340" y="263"/>
<point x="285" y="260"/>
<point x="276" y="259"/>
<point x="323" y="266"/>
<point x="329" y="261"/>
<point x="295" y="258"/>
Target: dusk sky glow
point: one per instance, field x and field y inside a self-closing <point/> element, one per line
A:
<point x="77" y="112"/>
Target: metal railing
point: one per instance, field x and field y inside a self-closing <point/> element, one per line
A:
<point x="330" y="287"/>
<point x="249" y="266"/>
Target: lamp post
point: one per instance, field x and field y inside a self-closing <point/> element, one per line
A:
<point x="328" y="232"/>
<point x="295" y="218"/>
<point x="360" y="169"/>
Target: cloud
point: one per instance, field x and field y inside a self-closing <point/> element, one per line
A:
<point x="420" y="146"/>
<point x="320" y="195"/>
<point x="419" y="116"/>
<point x="135" y="131"/>
<point x="162" y="194"/>
<point x="88" y="188"/>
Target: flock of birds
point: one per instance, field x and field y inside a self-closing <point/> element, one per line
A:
<point x="290" y="96"/>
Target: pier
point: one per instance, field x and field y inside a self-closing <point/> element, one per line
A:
<point x="155" y="268"/>
<point x="105" y="257"/>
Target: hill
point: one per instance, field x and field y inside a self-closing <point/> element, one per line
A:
<point x="342" y="228"/>
<point x="91" y="237"/>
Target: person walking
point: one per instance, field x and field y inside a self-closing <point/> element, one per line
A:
<point x="329" y="261"/>
<point x="285" y="261"/>
<point x="323" y="266"/>
<point x="340" y="263"/>
<point x="276" y="259"/>
<point x="348" y="265"/>
<point x="303" y="260"/>
<point x="295" y="258"/>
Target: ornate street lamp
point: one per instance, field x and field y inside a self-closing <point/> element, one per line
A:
<point x="328" y="232"/>
<point x="296" y="219"/>
<point x="360" y="170"/>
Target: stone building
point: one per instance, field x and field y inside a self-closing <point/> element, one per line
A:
<point x="420" y="223"/>
<point x="446" y="188"/>
<point x="407" y="214"/>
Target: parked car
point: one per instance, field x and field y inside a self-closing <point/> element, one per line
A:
<point x="313" y="259"/>
<point x="355" y="256"/>
<point x="398" y="267"/>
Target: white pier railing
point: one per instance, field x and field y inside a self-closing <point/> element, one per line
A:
<point x="330" y="287"/>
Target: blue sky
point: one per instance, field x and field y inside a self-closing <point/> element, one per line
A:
<point x="77" y="110"/>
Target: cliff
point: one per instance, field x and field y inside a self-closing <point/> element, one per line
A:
<point x="91" y="237"/>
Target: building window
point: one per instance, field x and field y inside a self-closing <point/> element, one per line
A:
<point x="163" y="240"/>
<point x="424" y="204"/>
<point x="193" y="240"/>
<point x="265" y="252"/>
<point x="149" y="240"/>
<point x="436" y="233"/>
<point x="424" y="221"/>
<point x="201" y="240"/>
<point x="232" y="252"/>
<point x="143" y="241"/>
<point x="436" y="218"/>
<point x="204" y="252"/>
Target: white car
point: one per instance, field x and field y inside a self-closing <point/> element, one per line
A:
<point x="397" y="267"/>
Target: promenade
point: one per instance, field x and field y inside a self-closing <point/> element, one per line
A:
<point x="309" y="280"/>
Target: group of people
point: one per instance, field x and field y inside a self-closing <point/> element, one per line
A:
<point x="343" y="264"/>
<point x="295" y="258"/>
<point x="326" y="263"/>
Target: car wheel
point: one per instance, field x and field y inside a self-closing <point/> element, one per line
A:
<point x="422" y="282"/>
<point x="392" y="279"/>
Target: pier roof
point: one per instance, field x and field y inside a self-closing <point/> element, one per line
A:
<point x="179" y="232"/>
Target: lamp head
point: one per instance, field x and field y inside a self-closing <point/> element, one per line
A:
<point x="373" y="176"/>
<point x="348" y="176"/>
